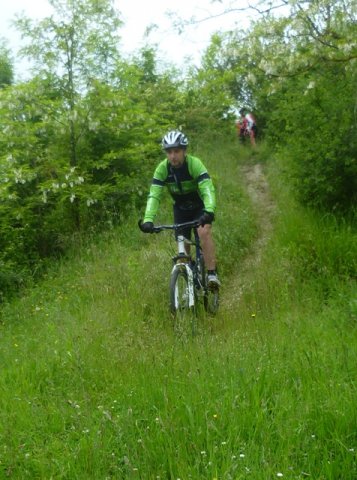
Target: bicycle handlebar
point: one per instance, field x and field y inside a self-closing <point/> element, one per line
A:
<point x="175" y="226"/>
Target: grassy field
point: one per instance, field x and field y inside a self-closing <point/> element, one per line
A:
<point x="96" y="385"/>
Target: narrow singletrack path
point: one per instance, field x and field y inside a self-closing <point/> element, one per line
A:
<point x="258" y="190"/>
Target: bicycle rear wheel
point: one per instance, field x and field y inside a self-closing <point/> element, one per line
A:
<point x="211" y="296"/>
<point x="211" y="300"/>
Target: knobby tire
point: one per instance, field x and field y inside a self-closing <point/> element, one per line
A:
<point x="210" y="296"/>
<point x="183" y="314"/>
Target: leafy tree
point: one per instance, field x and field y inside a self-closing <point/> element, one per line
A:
<point x="6" y="66"/>
<point x="67" y="165"/>
<point x="46" y="188"/>
<point x="299" y="73"/>
<point x="75" y="45"/>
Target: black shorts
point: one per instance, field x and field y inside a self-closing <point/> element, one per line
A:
<point x="182" y="216"/>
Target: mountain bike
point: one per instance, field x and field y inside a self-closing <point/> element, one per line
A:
<point x="188" y="280"/>
<point x="245" y="135"/>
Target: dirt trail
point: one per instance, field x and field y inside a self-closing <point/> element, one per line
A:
<point x="258" y="191"/>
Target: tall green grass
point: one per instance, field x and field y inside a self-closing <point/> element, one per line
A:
<point x="95" y="384"/>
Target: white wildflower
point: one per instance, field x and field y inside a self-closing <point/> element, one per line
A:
<point x="93" y="125"/>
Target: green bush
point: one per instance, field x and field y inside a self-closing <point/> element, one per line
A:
<point x="320" y="141"/>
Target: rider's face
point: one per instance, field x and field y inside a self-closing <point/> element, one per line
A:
<point x="176" y="156"/>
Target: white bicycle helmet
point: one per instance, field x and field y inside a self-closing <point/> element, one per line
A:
<point x="174" y="139"/>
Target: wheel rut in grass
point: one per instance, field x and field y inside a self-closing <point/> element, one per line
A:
<point x="258" y="190"/>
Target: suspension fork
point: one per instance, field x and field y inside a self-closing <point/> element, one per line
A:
<point x="182" y="262"/>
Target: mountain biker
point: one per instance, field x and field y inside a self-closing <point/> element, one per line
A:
<point x="241" y="126"/>
<point x="249" y="124"/>
<point x="192" y="191"/>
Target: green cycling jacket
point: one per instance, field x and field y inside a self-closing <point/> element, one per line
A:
<point x="190" y="187"/>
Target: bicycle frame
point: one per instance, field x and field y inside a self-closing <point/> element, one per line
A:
<point x="183" y="260"/>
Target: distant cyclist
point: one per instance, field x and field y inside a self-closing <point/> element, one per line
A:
<point x="250" y="125"/>
<point x="239" y="126"/>
<point x="192" y="191"/>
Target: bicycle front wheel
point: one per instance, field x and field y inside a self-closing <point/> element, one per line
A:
<point x="179" y="291"/>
